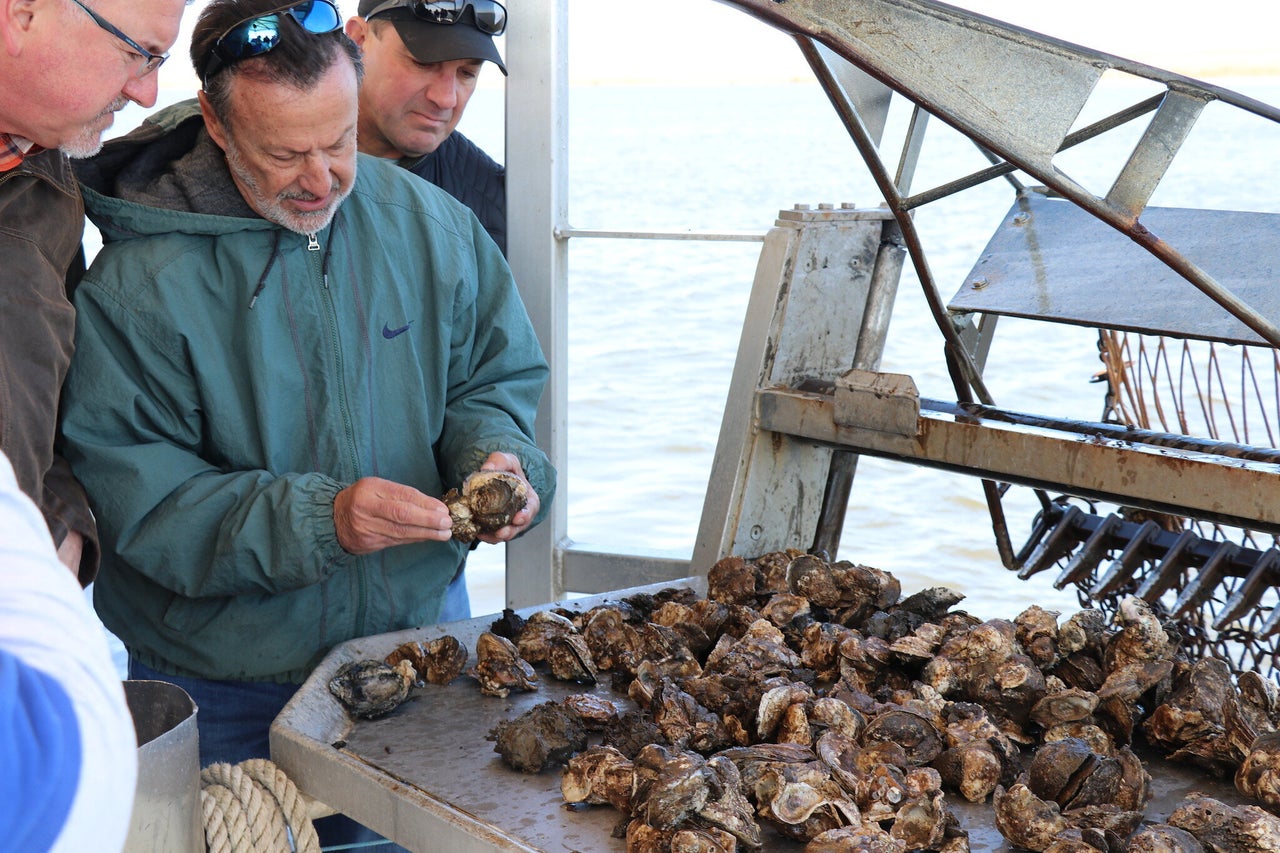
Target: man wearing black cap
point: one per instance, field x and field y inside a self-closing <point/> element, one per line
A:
<point x="422" y="60"/>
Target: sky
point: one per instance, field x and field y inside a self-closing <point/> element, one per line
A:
<point x="1230" y="40"/>
<point x="710" y="41"/>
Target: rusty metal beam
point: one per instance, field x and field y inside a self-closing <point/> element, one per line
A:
<point x="1092" y="464"/>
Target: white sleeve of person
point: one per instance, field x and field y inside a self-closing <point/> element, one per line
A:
<point x="69" y="762"/>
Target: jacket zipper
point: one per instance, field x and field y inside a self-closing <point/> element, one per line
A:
<point x="313" y="245"/>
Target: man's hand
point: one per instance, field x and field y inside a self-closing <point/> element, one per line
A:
<point x="372" y="514"/>
<point x="521" y="520"/>
<point x="70" y="551"/>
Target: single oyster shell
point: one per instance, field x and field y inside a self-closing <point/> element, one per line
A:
<point x="599" y="775"/>
<point x="863" y="838"/>
<point x="539" y="630"/>
<point x="1259" y="773"/>
<point x="570" y="659"/>
<point x="1072" y="775"/>
<point x="921" y="823"/>
<point x="1026" y="820"/>
<point x="546" y="734"/>
<point x="1162" y="838"/>
<point x="595" y="712"/>
<point x="499" y="667"/>
<point x="1221" y="828"/>
<point x="372" y="688"/>
<point x="487" y="502"/>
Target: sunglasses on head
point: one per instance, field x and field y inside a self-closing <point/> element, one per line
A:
<point x="491" y="16"/>
<point x="261" y="33"/>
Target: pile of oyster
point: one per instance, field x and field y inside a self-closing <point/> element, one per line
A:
<point x="811" y="700"/>
<point x="374" y="688"/>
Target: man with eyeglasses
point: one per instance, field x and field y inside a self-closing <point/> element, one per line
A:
<point x="69" y="764"/>
<point x="66" y="68"/>
<point x="287" y="352"/>
<point x="422" y="61"/>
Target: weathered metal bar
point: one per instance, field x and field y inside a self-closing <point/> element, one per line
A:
<point x="1130" y="473"/>
<point x="1017" y="93"/>
<point x="1152" y="157"/>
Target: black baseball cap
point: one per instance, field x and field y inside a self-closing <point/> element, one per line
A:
<point x="432" y="42"/>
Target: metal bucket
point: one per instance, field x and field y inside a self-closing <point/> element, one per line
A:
<point x="166" y="809"/>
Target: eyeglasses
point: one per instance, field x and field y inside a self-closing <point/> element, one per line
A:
<point x="491" y="16"/>
<point x="150" y="61"/>
<point x="262" y="33"/>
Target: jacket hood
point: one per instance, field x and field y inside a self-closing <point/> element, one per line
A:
<point x="165" y="176"/>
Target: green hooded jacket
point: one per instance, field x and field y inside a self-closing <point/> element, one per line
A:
<point x="232" y="376"/>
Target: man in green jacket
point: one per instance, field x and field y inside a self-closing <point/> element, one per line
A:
<point x="288" y="352"/>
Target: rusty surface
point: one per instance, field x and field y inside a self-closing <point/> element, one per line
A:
<point x="1094" y="464"/>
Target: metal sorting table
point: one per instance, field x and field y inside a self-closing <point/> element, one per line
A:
<point x="426" y="776"/>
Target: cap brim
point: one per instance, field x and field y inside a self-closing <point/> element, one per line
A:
<point x="446" y="42"/>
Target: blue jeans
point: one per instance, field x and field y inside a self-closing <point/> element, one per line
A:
<point x="234" y="719"/>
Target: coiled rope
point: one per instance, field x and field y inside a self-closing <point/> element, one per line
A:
<point x="253" y="807"/>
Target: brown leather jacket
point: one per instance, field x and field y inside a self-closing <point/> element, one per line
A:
<point x="41" y="225"/>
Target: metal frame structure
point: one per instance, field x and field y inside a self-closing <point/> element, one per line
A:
<point x="1017" y="95"/>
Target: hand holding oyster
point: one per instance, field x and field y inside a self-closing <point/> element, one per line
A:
<point x="487" y="502"/>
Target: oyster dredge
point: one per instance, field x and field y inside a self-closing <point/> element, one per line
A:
<point x="765" y="695"/>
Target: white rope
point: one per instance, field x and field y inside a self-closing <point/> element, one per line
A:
<point x="253" y="807"/>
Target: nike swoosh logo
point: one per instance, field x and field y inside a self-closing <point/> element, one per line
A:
<point x="389" y="333"/>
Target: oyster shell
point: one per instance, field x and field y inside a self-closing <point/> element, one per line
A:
<point x="1259" y="773"/>
<point x="600" y="775"/>
<point x="372" y="688"/>
<point x="486" y="502"/>
<point x="1025" y="819"/>
<point x="546" y="734"/>
<point x="595" y="712"/>
<point x="922" y="823"/>
<point x="912" y="731"/>
<point x="437" y="661"/>
<point x="1191" y="724"/>
<point x="1072" y="775"/>
<point x="971" y="768"/>
<point x="534" y="642"/>
<point x="703" y="840"/>
<point x="1225" y="829"/>
<point x="499" y="667"/>
<point x="863" y="838"/>
<point x="570" y="659"/>
<point x="802" y="801"/>
<point x="1162" y="838"/>
<point x="685" y="723"/>
<point x="670" y="786"/>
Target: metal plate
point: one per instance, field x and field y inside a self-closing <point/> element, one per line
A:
<point x="427" y="777"/>
<point x="1050" y="260"/>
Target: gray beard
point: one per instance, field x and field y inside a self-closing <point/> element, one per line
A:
<point x="273" y="210"/>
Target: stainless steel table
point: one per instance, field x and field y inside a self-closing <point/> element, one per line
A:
<point x="427" y="777"/>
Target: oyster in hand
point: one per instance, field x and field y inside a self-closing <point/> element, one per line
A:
<point x="486" y="502"/>
<point x="372" y="688"/>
